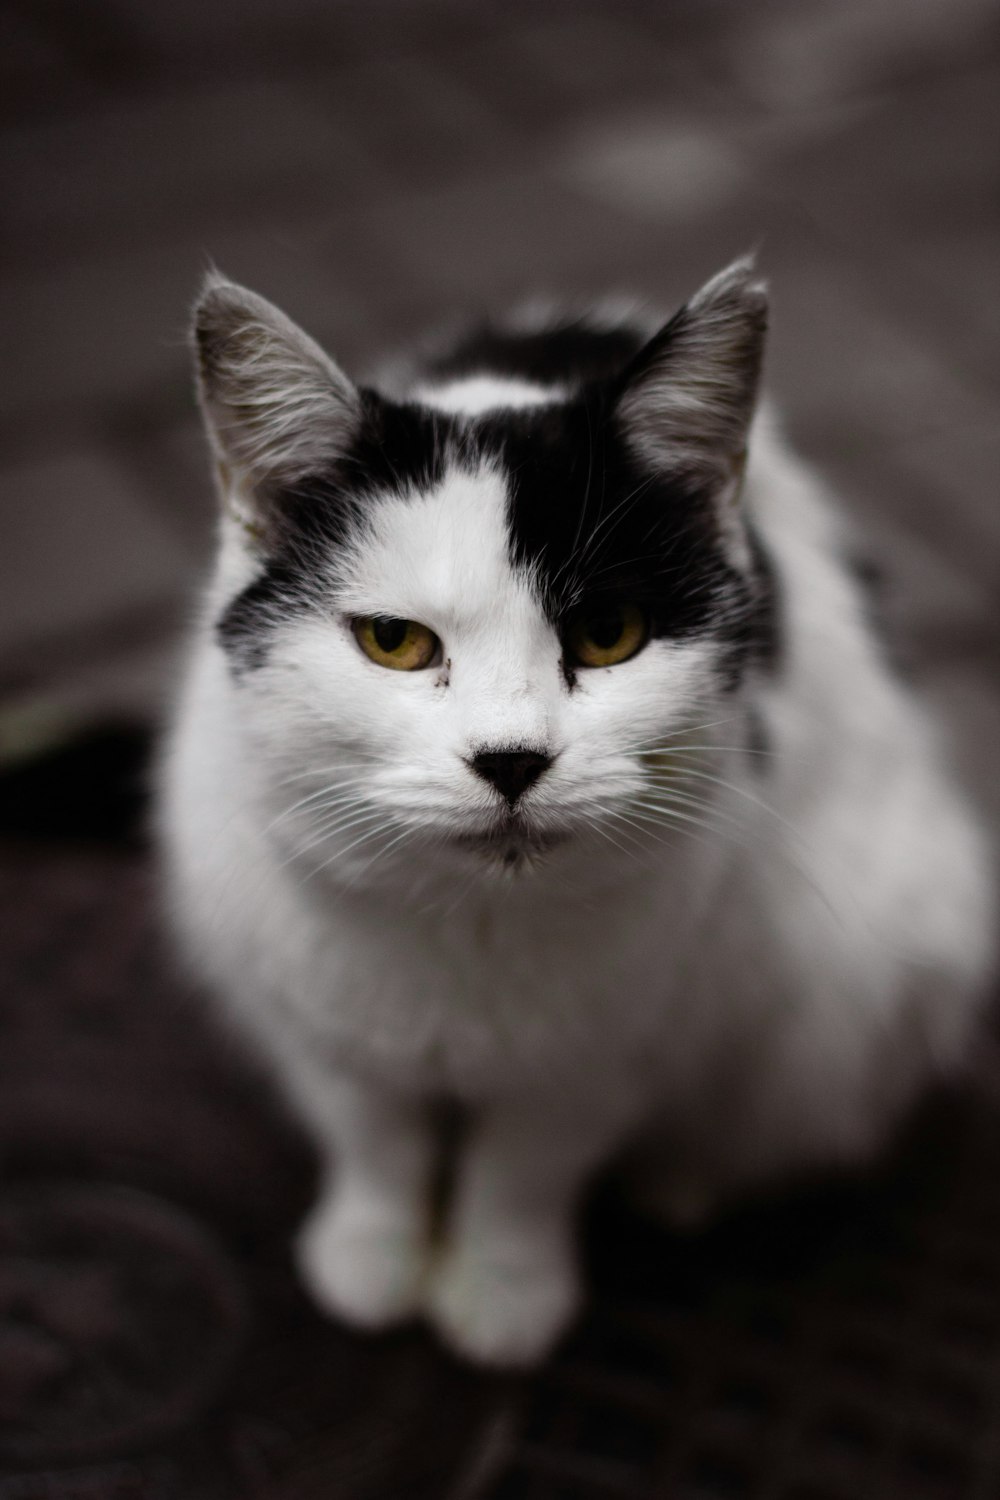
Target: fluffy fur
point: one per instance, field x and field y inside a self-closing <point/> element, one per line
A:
<point x="729" y="925"/>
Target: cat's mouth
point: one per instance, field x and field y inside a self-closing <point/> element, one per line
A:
<point x="511" y="842"/>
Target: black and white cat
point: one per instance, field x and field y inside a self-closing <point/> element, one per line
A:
<point x="536" y="754"/>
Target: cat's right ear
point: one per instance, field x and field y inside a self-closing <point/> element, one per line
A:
<point x="277" y="409"/>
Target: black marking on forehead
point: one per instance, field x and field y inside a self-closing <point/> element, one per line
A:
<point x="571" y="352"/>
<point x="402" y="448"/>
<point x="591" y="522"/>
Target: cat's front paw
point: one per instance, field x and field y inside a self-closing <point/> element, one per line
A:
<point x="370" y="1273"/>
<point x="504" y="1307"/>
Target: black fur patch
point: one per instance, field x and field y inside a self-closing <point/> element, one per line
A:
<point x="573" y="352"/>
<point x="593" y="522"/>
<point x="244" y="628"/>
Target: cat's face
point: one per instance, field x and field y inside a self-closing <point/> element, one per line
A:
<point x="466" y="636"/>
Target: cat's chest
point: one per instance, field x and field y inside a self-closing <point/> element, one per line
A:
<point x="464" y="1002"/>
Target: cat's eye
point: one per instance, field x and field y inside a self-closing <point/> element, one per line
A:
<point x="403" y="645"/>
<point x="606" y="634"/>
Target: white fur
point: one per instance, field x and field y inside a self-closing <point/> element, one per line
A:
<point x="741" y="999"/>
<point x="479" y="393"/>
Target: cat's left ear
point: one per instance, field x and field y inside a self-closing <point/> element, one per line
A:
<point x="687" y="398"/>
<point x="277" y="408"/>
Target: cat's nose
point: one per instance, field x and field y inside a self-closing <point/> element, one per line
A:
<point x="510" y="771"/>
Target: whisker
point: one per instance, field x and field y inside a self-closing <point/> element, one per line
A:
<point x="338" y="821"/>
<point x="325" y="816"/>
<point x="340" y="853"/>
<point x="659" y="741"/>
<point x="342" y="788"/>
<point x="668" y="803"/>
<point x="616" y="514"/>
<point x="667" y="814"/>
<point x="331" y="770"/>
<point x="381" y="853"/>
<point x="741" y="791"/>
<point x="596" y="827"/>
<point x="344" y="817"/>
<point x="804" y="853"/>
<point x="620" y="816"/>
<point x="671" y="750"/>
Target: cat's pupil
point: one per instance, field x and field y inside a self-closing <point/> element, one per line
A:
<point x="389" y="633"/>
<point x="605" y="630"/>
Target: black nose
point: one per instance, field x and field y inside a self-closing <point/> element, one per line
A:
<point x="510" y="771"/>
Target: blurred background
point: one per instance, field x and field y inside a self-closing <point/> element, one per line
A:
<point x="375" y="168"/>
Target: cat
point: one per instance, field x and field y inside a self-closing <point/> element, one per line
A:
<point x="537" y="755"/>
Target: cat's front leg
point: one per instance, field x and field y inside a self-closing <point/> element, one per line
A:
<point x="362" y="1251"/>
<point x="507" y="1282"/>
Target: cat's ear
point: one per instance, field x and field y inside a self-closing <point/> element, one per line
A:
<point x="688" y="396"/>
<point x="276" y="407"/>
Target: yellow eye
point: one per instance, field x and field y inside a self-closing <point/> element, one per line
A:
<point x="403" y="645"/>
<point x="606" y="635"/>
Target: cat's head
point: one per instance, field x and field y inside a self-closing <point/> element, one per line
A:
<point x="461" y="628"/>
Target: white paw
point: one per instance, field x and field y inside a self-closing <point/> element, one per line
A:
<point x="370" y="1273"/>
<point x="503" y="1306"/>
